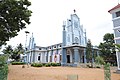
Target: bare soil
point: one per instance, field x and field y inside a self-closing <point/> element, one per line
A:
<point x="16" y="72"/>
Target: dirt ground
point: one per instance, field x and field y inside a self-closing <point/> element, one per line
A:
<point x="16" y="72"/>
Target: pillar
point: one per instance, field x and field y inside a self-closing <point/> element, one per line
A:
<point x="76" y="55"/>
<point x="85" y="55"/>
<point x="64" y="57"/>
<point x="92" y="55"/>
<point x="97" y="53"/>
<point x="118" y="59"/>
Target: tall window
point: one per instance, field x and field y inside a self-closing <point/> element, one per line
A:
<point x="39" y="57"/>
<point x="118" y="14"/>
<point x="76" y="40"/>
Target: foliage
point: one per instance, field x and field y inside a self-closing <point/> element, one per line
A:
<point x="107" y="49"/>
<point x="99" y="60"/>
<point x="89" y="53"/>
<point x="3" y="68"/>
<point x="14" y="53"/>
<point x="107" y="72"/>
<point x="3" y="60"/>
<point x="36" y="65"/>
<point x="45" y="64"/>
<point x="118" y="47"/>
<point x="8" y="50"/>
<point x="17" y="51"/>
<point x="14" y="15"/>
<point x="55" y="64"/>
<point x="17" y="63"/>
<point x="48" y="65"/>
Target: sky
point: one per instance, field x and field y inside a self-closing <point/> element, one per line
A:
<point x="48" y="16"/>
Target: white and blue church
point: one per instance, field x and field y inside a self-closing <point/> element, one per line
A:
<point x="72" y="50"/>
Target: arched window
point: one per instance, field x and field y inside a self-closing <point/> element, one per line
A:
<point x="39" y="57"/>
<point x="76" y="40"/>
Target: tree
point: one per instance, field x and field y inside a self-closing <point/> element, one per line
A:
<point x="89" y="51"/>
<point x="14" y="53"/>
<point x="14" y="15"/>
<point x="17" y="51"/>
<point x="107" y="49"/>
<point x="8" y="50"/>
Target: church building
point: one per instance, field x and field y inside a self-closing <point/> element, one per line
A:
<point x="72" y="50"/>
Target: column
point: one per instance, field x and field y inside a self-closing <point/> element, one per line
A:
<point x="76" y="54"/>
<point x="85" y="55"/>
<point x="64" y="58"/>
<point x="47" y="57"/>
<point x="33" y="57"/>
<point x="80" y="54"/>
<point x="97" y="53"/>
<point x="92" y="55"/>
<point x="118" y="59"/>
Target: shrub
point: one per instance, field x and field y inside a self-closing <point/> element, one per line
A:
<point x="99" y="60"/>
<point x="98" y="66"/>
<point x="55" y="64"/>
<point x="89" y="66"/>
<point x="48" y="65"/>
<point x="58" y="64"/>
<point x="107" y="73"/>
<point x="43" y="64"/>
<point x="17" y="63"/>
<point x="36" y="65"/>
<point x="3" y="68"/>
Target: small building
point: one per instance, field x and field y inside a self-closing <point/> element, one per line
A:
<point x="72" y="50"/>
<point x="115" y="11"/>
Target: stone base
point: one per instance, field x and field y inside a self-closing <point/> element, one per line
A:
<point x="63" y="64"/>
<point x="118" y="71"/>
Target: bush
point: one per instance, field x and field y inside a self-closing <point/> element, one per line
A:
<point x="55" y="64"/>
<point x="3" y="68"/>
<point x="48" y="65"/>
<point x="89" y="66"/>
<point x="99" y="60"/>
<point x="17" y="63"/>
<point x="98" y="66"/>
<point x="36" y="65"/>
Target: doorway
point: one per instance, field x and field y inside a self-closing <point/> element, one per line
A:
<point x="68" y="58"/>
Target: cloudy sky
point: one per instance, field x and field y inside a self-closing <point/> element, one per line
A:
<point x="48" y="16"/>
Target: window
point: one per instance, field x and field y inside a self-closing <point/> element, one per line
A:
<point x="39" y="48"/>
<point x="39" y="57"/>
<point x="60" y="45"/>
<point x="118" y="14"/>
<point x="76" y="40"/>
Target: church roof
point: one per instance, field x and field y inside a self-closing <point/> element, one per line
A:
<point x="116" y="7"/>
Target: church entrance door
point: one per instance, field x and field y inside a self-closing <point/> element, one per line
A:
<point x="68" y="58"/>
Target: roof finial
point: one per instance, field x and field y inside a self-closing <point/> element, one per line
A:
<point x="74" y="10"/>
<point x="118" y="1"/>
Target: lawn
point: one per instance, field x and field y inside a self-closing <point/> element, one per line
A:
<point x="16" y="72"/>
